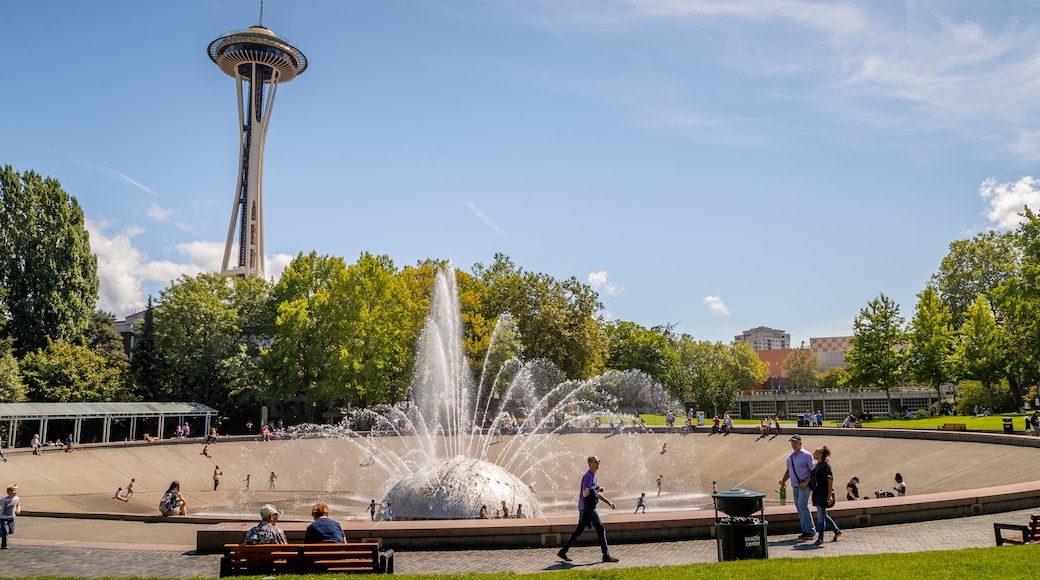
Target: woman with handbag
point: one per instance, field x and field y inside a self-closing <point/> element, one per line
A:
<point x="822" y="481"/>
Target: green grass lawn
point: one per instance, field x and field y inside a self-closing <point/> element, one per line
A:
<point x="992" y="423"/>
<point x="1003" y="562"/>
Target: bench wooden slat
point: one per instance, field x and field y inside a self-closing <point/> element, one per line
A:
<point x="953" y="427"/>
<point x="1022" y="534"/>
<point x="362" y="557"/>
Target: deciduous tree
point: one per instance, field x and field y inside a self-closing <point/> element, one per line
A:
<point x="974" y="267"/>
<point x="70" y="373"/>
<point x="720" y="371"/>
<point x="876" y="357"/>
<point x="981" y="353"/>
<point x="12" y="389"/>
<point x="200" y="339"/>
<point x="558" y="321"/>
<point x="632" y="346"/>
<point x="802" y="368"/>
<point x="45" y="262"/>
<point x="931" y="340"/>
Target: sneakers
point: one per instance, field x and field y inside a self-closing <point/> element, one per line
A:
<point x="838" y="536"/>
<point x="818" y="542"/>
<point x="609" y="558"/>
<point x="563" y="556"/>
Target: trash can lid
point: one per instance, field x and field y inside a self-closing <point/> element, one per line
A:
<point x="738" y="493"/>
<point x="1007" y="419"/>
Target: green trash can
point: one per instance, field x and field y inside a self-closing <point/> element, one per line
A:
<point x="740" y="535"/>
<point x="1009" y="427"/>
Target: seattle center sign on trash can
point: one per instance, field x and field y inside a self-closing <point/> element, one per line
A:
<point x="740" y="535"/>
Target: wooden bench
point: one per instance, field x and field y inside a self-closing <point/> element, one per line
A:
<point x="265" y="559"/>
<point x="1020" y="534"/>
<point x="953" y="427"/>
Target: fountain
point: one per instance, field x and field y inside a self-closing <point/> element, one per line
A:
<point x="452" y="420"/>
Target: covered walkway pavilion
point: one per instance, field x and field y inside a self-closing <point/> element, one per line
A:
<point x="98" y="422"/>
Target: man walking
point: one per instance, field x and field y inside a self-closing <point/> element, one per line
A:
<point x="591" y="494"/>
<point x="799" y="466"/>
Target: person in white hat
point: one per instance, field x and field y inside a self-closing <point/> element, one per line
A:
<point x="267" y="531"/>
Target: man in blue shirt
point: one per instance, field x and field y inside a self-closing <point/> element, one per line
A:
<point x="591" y="494"/>
<point x="799" y="465"/>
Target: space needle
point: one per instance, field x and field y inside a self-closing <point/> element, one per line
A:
<point x="258" y="60"/>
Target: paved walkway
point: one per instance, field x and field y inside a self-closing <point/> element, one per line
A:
<point x="92" y="548"/>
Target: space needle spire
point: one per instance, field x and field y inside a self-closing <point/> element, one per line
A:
<point x="258" y="60"/>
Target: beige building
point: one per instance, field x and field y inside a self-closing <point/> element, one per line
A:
<point x="765" y="338"/>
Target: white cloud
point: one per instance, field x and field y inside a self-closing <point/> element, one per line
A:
<point x="905" y="67"/>
<point x="716" y="305"/>
<point x="483" y="217"/>
<point x="276" y="264"/>
<point x="599" y="283"/>
<point x="159" y="213"/>
<point x="123" y="270"/>
<point x="125" y="274"/>
<point x="1007" y="200"/>
<point x="207" y="256"/>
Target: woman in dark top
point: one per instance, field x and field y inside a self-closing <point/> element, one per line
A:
<point x="323" y="530"/>
<point x="822" y="480"/>
<point x="852" y="489"/>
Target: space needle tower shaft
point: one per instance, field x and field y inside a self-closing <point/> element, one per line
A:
<point x="259" y="61"/>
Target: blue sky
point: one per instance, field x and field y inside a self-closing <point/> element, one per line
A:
<point x="715" y="165"/>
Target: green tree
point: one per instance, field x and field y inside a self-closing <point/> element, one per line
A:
<point x="558" y="321"/>
<point x="975" y="267"/>
<point x="972" y="393"/>
<point x="300" y="357"/>
<point x="720" y="372"/>
<point x="876" y="357"/>
<point x="70" y="373"/>
<point x="1017" y="302"/>
<point x="200" y="340"/>
<point x="980" y="353"/>
<point x="146" y="363"/>
<point x="834" y="378"/>
<point x="632" y="346"/>
<point x="102" y="336"/>
<point x="343" y="334"/>
<point x="378" y="332"/>
<point x="12" y="389"/>
<point x="931" y="341"/>
<point x="45" y="262"/>
<point x="802" y="368"/>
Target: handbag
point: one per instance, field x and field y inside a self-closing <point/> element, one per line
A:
<point x="831" y="500"/>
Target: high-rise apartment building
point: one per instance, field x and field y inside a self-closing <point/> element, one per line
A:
<point x="765" y="338"/>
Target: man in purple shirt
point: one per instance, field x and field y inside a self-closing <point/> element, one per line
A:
<point x="591" y="494"/>
<point x="799" y="465"/>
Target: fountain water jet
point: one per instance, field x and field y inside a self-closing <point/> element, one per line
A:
<point x="452" y="421"/>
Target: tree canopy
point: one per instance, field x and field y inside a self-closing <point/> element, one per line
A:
<point x="876" y="358"/>
<point x="46" y="267"/>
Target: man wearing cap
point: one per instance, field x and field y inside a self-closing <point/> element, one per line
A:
<point x="591" y="494"/>
<point x="267" y="531"/>
<point x="799" y="466"/>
